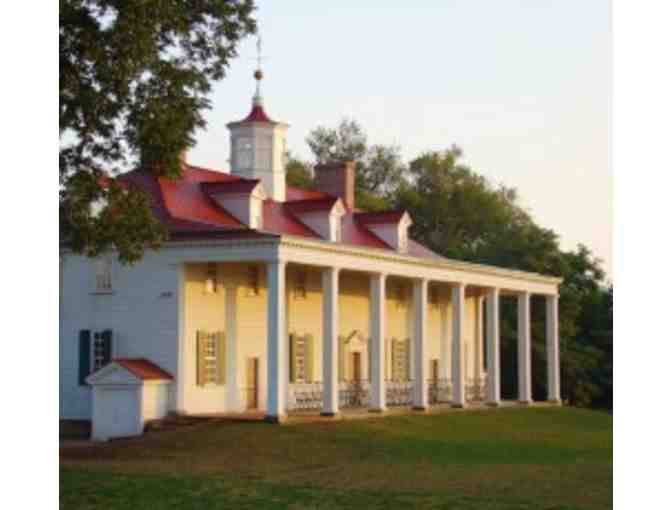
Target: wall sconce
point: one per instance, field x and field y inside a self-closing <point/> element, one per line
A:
<point x="433" y="296"/>
<point x="400" y="295"/>
<point x="211" y="286"/>
<point x="252" y="281"/>
<point x="301" y="285"/>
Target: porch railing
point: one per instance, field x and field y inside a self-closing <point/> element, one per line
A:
<point x="476" y="389"/>
<point x="440" y="391"/>
<point x="305" y="396"/>
<point x="354" y="394"/>
<point x="399" y="393"/>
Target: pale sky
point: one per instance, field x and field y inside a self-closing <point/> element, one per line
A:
<point x="523" y="86"/>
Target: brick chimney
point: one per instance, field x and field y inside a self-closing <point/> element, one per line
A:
<point x="338" y="179"/>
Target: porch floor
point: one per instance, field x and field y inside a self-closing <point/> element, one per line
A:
<point x="362" y="413"/>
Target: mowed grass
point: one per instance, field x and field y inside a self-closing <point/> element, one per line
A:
<point x="536" y="458"/>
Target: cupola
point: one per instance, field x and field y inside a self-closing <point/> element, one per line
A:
<point x="259" y="146"/>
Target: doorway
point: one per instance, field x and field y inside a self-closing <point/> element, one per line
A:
<point x="252" y="383"/>
<point x="357" y="367"/>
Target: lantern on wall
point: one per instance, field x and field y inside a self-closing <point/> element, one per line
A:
<point x="211" y="284"/>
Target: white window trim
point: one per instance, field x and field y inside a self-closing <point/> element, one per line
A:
<point x="103" y="283"/>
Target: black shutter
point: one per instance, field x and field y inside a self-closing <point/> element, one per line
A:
<point x="84" y="355"/>
<point x="107" y="346"/>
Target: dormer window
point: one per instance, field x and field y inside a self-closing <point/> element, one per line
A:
<point x="337" y="229"/>
<point x="391" y="227"/>
<point x="324" y="216"/>
<point x="256" y="218"/>
<point x="403" y="241"/>
<point x="243" y="199"/>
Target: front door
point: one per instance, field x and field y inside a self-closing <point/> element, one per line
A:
<point x="252" y="383"/>
<point x="357" y="366"/>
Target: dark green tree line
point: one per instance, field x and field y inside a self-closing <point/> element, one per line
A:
<point x="459" y="214"/>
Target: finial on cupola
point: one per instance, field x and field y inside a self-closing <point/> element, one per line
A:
<point x="257" y="100"/>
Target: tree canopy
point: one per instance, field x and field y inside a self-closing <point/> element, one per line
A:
<point x="459" y="214"/>
<point x="133" y="87"/>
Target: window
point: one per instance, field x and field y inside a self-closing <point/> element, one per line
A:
<point x="98" y="352"/>
<point x="338" y="234"/>
<point x="244" y="152"/>
<point x="211" y="358"/>
<point x="256" y="218"/>
<point x="403" y="242"/>
<point x="95" y="351"/>
<point x="300" y="361"/>
<point x="103" y="269"/>
<point x="301" y="358"/>
<point x="400" y="360"/>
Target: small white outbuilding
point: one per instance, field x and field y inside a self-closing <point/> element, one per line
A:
<point x="126" y="394"/>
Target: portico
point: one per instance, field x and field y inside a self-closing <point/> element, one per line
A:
<point x="339" y="328"/>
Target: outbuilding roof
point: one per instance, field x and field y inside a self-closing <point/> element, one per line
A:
<point x="143" y="369"/>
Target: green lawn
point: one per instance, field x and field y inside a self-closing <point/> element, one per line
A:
<point x="536" y="458"/>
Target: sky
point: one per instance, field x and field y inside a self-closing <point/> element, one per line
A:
<point x="522" y="86"/>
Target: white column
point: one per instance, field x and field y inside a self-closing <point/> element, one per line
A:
<point x="234" y="395"/>
<point x="277" y="342"/>
<point x="377" y="376"/>
<point x="181" y="382"/>
<point x="478" y="352"/>
<point x="457" y="303"/>
<point x="330" y="340"/>
<point x="492" y="318"/>
<point x="553" y="349"/>
<point x="524" y="350"/>
<point x="420" y="389"/>
<point x="446" y="333"/>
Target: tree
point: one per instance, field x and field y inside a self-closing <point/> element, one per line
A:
<point x="133" y="87"/>
<point x="460" y="215"/>
<point x="379" y="167"/>
<point x="347" y="142"/>
<point x="298" y="173"/>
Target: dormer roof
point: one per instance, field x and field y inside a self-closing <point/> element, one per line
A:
<point x="383" y="217"/>
<point x="315" y="204"/>
<point x="188" y="211"/>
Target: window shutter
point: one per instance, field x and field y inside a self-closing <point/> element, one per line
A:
<point x="393" y="367"/>
<point x="408" y="359"/>
<point x="388" y="358"/>
<point x="221" y="357"/>
<point x="107" y="346"/>
<point x="341" y="358"/>
<point x="309" y="349"/>
<point x="292" y="358"/>
<point x="201" y="339"/>
<point x="84" y="355"/>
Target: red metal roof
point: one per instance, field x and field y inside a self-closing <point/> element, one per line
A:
<point x="379" y="217"/>
<point x="187" y="210"/>
<point x="222" y="188"/>
<point x="311" y="204"/>
<point x="257" y="114"/>
<point x="143" y="369"/>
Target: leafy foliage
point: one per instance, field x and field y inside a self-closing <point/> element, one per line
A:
<point x="134" y="81"/>
<point x="379" y="167"/>
<point x="459" y="214"/>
